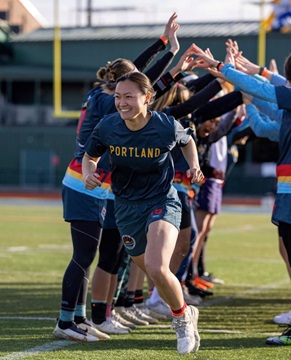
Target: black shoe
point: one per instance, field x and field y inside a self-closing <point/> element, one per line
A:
<point x="284" y="339"/>
<point x="194" y="290"/>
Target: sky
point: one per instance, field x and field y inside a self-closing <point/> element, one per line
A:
<point x="149" y="12"/>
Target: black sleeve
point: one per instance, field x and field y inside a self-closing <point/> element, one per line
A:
<point x="200" y="82"/>
<point x="145" y="58"/>
<point x="218" y="107"/>
<point x="245" y="132"/>
<point x="195" y="101"/>
<point x="163" y="84"/>
<point x="159" y="67"/>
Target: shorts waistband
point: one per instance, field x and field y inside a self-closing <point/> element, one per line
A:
<point x="156" y="198"/>
<point x="140" y="201"/>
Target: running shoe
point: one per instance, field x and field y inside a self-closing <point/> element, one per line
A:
<point x="283" y="319"/>
<point x="210" y="278"/>
<point x="188" y="339"/>
<point x="190" y="299"/>
<point x="142" y="307"/>
<point x="141" y="315"/>
<point x="111" y="326"/>
<point x="89" y="328"/>
<point x="116" y="316"/>
<point x="160" y="307"/>
<point x="198" y="281"/>
<point x="284" y="339"/>
<point x="130" y="315"/>
<point x="74" y="333"/>
<point x="194" y="290"/>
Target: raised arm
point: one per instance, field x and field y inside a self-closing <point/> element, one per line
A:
<point x="155" y="72"/>
<point x="196" y="101"/>
<point x="219" y="106"/>
<point x="186" y="62"/>
<point x="147" y="56"/>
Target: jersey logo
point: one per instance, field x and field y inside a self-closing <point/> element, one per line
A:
<point x="157" y="213"/>
<point x="129" y="242"/>
<point x="135" y="152"/>
<point x="103" y="213"/>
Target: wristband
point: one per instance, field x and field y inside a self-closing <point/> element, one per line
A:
<point x="165" y="81"/>
<point x="168" y="79"/>
<point x="164" y="40"/>
<point x="181" y="75"/>
<point x="263" y="71"/>
<point x="219" y="65"/>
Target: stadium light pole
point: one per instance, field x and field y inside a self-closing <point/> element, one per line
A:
<point x="57" y="62"/>
<point x="57" y="71"/>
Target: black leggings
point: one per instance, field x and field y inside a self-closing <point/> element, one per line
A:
<point x="285" y="233"/>
<point x="85" y="237"/>
<point x="111" y="251"/>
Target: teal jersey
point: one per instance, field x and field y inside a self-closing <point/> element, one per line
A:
<point x="141" y="162"/>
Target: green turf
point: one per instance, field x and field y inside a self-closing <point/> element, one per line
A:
<point x="35" y="248"/>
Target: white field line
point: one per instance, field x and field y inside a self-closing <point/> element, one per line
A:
<point x="252" y="291"/>
<point x="55" y="345"/>
<point x="29" y="274"/>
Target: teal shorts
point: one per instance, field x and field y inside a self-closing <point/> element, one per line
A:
<point x="133" y="218"/>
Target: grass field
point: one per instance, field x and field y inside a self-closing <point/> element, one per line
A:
<point x="242" y="249"/>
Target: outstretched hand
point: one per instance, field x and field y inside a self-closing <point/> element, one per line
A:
<point x="175" y="46"/>
<point x="169" y="25"/>
<point x="186" y="60"/>
<point x="204" y="58"/>
<point x="233" y="45"/>
<point x="273" y="66"/>
<point x="246" y="66"/>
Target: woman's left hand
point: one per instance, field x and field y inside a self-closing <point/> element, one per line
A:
<point x="195" y="174"/>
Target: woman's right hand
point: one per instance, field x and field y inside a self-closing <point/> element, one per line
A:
<point x="91" y="181"/>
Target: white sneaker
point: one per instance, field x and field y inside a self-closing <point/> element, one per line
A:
<point x="194" y="316"/>
<point x="116" y="316"/>
<point x="111" y="326"/>
<point x="190" y="299"/>
<point x="73" y="333"/>
<point x="142" y="307"/>
<point x="160" y="307"/>
<point x="142" y="316"/>
<point x="188" y="339"/>
<point x="88" y="327"/>
<point x="283" y="319"/>
<point x="130" y="315"/>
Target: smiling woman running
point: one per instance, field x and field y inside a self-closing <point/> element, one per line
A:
<point x="147" y="208"/>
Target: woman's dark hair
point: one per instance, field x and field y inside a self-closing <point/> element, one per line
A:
<point x="141" y="80"/>
<point x="108" y="74"/>
<point x="287" y="68"/>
